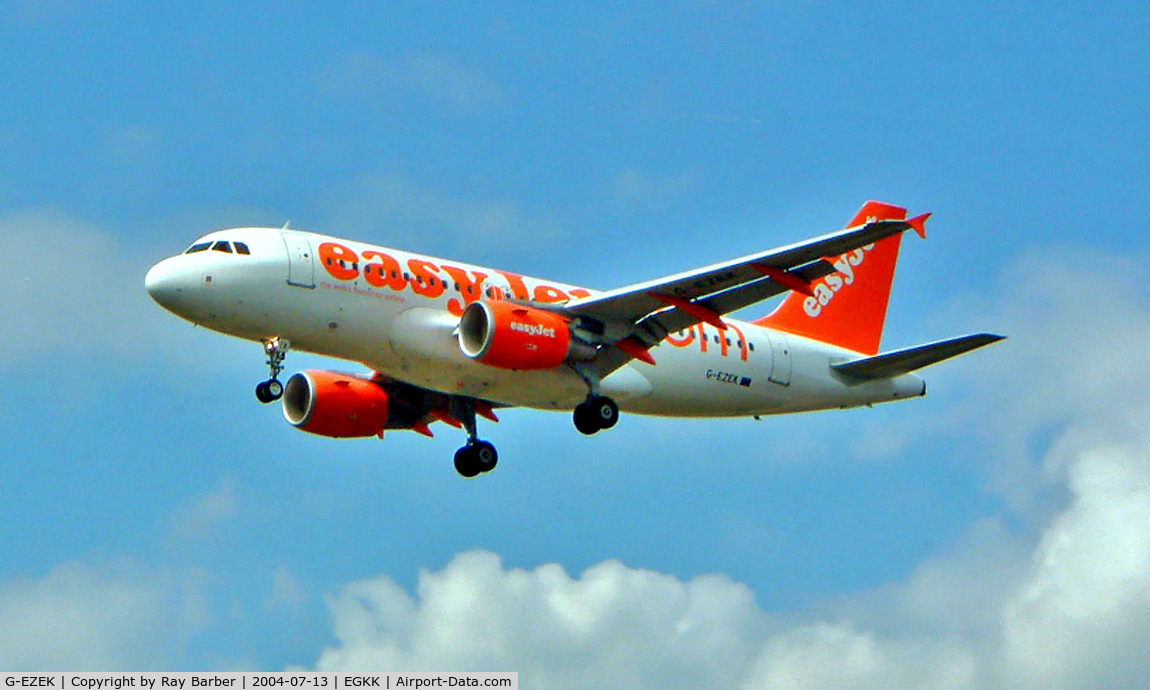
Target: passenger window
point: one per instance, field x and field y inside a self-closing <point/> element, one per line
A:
<point x="751" y="346"/>
<point x="198" y="247"/>
<point x="241" y="248"/>
<point x="222" y="247"/>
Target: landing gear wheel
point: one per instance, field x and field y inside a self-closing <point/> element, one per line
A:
<point x="262" y="392"/>
<point x="475" y="458"/>
<point x="596" y="414"/>
<point x="606" y="412"/>
<point x="585" y="420"/>
<point x="485" y="455"/>
<point x="465" y="463"/>
<point x="269" y="391"/>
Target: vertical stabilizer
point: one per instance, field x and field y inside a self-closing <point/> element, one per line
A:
<point x="847" y="308"/>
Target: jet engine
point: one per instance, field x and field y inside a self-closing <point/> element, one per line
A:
<point x="336" y="405"/>
<point x="513" y="336"/>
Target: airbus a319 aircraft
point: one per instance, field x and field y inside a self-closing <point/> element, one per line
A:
<point x="448" y="342"/>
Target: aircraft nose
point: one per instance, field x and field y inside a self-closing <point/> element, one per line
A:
<point x="166" y="284"/>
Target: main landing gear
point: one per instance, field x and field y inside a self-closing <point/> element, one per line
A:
<point x="596" y="413"/>
<point x="271" y="390"/>
<point x="477" y="457"/>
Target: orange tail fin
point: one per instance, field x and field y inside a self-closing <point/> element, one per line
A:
<point x="848" y="308"/>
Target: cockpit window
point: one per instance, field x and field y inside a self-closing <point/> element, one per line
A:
<point x="241" y="248"/>
<point x="222" y="247"/>
<point x="198" y="247"/>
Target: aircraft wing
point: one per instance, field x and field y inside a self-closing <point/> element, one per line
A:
<point x="637" y="317"/>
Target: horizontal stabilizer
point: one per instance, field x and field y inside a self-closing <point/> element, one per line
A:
<point x="899" y="362"/>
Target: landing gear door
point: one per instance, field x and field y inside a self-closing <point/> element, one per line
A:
<point x="780" y="358"/>
<point x="301" y="268"/>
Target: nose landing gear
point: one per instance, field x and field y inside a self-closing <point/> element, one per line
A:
<point x="271" y="390"/>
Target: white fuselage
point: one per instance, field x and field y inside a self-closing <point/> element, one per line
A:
<point x="397" y="313"/>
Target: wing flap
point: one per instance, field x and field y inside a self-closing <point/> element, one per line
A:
<point x="899" y="362"/>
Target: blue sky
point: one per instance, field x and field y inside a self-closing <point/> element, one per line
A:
<point x="153" y="515"/>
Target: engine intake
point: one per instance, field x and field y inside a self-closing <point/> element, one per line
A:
<point x="513" y="336"/>
<point x="336" y="405"/>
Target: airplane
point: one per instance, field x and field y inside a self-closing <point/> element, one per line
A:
<point x="448" y="341"/>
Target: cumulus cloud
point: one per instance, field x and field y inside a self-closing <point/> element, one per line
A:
<point x="616" y="627"/>
<point x="80" y="617"/>
<point x="1060" y="598"/>
<point x="612" y="627"/>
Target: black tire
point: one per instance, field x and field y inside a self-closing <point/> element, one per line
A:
<point x="586" y="420"/>
<point x="466" y="462"/>
<point x="275" y="389"/>
<point x="486" y="457"/>
<point x="262" y="393"/>
<point x="606" y="412"/>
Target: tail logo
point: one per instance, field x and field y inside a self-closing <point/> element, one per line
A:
<point x="826" y="289"/>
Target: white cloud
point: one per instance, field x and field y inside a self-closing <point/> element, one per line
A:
<point x="1083" y="616"/>
<point x="79" y="617"/>
<point x="616" y="627"/>
<point x="612" y="627"/>
<point x="1061" y="601"/>
<point x="825" y="655"/>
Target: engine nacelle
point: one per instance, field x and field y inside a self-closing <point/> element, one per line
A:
<point x="336" y="405"/>
<point x="512" y="336"/>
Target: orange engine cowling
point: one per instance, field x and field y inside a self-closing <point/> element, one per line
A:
<point x="337" y="405"/>
<point x="512" y="336"/>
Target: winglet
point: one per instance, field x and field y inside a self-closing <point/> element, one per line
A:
<point x="919" y="224"/>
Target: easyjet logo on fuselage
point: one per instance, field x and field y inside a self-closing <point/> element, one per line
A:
<point x="425" y="278"/>
<point x="826" y="289"/>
